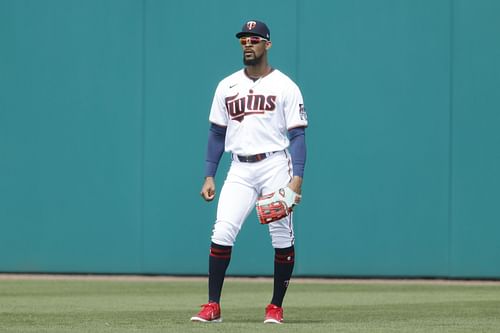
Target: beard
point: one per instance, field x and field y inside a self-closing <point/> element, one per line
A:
<point x="254" y="61"/>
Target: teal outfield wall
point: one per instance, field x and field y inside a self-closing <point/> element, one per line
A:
<point x="103" y="126"/>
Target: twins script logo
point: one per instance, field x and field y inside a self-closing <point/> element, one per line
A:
<point x="238" y="108"/>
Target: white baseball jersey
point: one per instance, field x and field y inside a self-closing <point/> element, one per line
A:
<point x="257" y="113"/>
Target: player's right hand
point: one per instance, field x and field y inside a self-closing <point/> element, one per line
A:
<point x="208" y="189"/>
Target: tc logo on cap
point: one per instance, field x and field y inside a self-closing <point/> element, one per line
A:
<point x="251" y="25"/>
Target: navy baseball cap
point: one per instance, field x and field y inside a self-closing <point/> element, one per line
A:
<point x="254" y="28"/>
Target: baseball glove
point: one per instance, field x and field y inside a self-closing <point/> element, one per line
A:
<point x="277" y="205"/>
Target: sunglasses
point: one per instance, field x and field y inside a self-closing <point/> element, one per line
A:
<point x="252" y="39"/>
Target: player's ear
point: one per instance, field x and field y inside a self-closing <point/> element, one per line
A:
<point x="269" y="44"/>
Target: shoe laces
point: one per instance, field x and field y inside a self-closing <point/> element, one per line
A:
<point x="271" y="308"/>
<point x="210" y="306"/>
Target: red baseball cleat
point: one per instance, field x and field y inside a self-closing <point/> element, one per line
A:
<point x="274" y="314"/>
<point x="209" y="313"/>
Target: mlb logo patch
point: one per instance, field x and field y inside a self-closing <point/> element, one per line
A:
<point x="302" y="112"/>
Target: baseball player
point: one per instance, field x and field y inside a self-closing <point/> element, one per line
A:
<point x="258" y="116"/>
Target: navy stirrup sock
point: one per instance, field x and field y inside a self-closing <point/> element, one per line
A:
<point x="219" y="258"/>
<point x="284" y="260"/>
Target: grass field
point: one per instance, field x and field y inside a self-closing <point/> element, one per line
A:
<point x="89" y="305"/>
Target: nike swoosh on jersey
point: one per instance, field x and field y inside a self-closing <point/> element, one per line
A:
<point x="233" y="85"/>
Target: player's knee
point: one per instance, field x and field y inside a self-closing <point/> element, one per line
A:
<point x="281" y="235"/>
<point x="224" y="233"/>
<point x="282" y="241"/>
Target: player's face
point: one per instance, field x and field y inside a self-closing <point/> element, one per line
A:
<point x="254" y="49"/>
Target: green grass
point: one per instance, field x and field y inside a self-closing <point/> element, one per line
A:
<point x="153" y="306"/>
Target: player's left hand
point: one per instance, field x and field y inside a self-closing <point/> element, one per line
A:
<point x="276" y="205"/>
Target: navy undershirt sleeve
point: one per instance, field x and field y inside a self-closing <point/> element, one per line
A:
<point x="297" y="150"/>
<point x="215" y="148"/>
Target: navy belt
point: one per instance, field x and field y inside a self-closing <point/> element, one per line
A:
<point x="253" y="158"/>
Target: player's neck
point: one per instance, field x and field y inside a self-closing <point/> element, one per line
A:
<point x="257" y="71"/>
